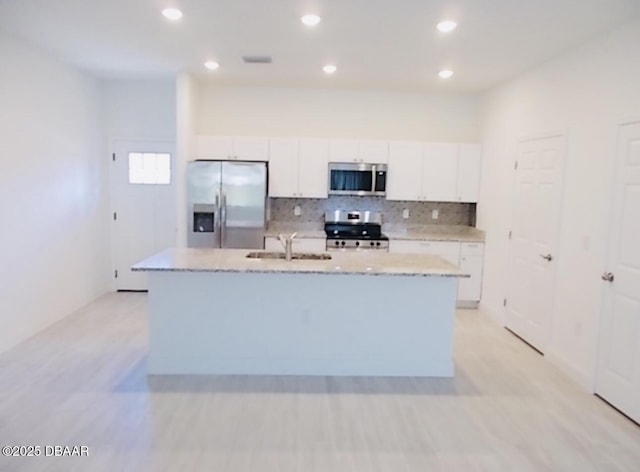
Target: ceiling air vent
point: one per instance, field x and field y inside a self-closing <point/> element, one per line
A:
<point x="257" y="59"/>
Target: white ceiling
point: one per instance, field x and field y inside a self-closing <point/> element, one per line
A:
<point x="376" y="44"/>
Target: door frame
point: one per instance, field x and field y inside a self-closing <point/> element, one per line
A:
<point x="113" y="142"/>
<point x="559" y="132"/>
<point x="607" y="221"/>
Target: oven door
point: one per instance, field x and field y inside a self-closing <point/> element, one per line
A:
<point x="356" y="179"/>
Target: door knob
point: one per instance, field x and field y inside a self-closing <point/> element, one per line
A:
<point x="608" y="277"/>
<point x="548" y="257"/>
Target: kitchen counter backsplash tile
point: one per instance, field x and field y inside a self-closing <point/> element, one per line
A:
<point x="304" y="229"/>
<point x="313" y="210"/>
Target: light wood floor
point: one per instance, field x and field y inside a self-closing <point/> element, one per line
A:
<point x="83" y="382"/>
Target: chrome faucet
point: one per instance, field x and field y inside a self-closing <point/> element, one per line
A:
<point x="287" y="244"/>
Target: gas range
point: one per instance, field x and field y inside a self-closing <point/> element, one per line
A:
<point x="354" y="230"/>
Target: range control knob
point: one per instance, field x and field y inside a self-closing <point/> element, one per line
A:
<point x="357" y="243"/>
<point x="337" y="243"/>
<point x="371" y="243"/>
<point x="378" y="243"/>
<point x="342" y="243"/>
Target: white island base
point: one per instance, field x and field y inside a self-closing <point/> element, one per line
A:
<point x="302" y="324"/>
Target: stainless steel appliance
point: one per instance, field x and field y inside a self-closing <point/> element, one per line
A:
<point x="354" y="230"/>
<point x="357" y="179"/>
<point x="226" y="204"/>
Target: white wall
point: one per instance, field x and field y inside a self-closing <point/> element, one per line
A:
<point x="272" y="111"/>
<point x="53" y="238"/>
<point x="187" y="100"/>
<point x="586" y="92"/>
<point x="140" y="109"/>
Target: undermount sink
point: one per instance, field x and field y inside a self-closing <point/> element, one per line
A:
<point x="308" y="256"/>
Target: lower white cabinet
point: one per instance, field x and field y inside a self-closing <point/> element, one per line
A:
<point x="299" y="244"/>
<point x="472" y="262"/>
<point x="468" y="256"/>
<point x="448" y="250"/>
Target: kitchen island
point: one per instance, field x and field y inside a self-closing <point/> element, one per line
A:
<point x="215" y="311"/>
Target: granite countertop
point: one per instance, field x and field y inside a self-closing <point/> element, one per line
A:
<point x="356" y="262"/>
<point x="434" y="233"/>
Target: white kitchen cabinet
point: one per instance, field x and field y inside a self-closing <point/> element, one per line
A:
<point x="440" y="172"/>
<point x="433" y="172"/>
<point x="313" y="171"/>
<point x="469" y="165"/>
<point x="468" y="256"/>
<point x="241" y="148"/>
<point x="283" y="167"/>
<point x="299" y="244"/>
<point x="298" y="168"/>
<point x="374" y="152"/>
<point x="471" y="262"/>
<point x="351" y="150"/>
<point x="448" y="250"/>
<point x="404" y="174"/>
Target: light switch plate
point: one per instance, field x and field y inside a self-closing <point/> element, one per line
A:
<point x="297" y="211"/>
<point x="435" y="214"/>
<point x="405" y="213"/>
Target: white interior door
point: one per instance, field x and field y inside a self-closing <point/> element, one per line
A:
<point x="143" y="204"/>
<point x="618" y="379"/>
<point x="537" y="211"/>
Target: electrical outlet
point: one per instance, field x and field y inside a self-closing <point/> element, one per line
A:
<point x="297" y="211"/>
<point x="435" y="214"/>
<point x="405" y="213"/>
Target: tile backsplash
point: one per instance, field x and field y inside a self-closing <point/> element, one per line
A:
<point x="420" y="213"/>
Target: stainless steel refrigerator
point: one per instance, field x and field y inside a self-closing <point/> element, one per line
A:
<point x="226" y="204"/>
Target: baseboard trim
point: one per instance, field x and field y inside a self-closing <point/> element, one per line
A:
<point x="525" y="341"/>
<point x="466" y="304"/>
<point x="492" y="314"/>
<point x="581" y="378"/>
<point x="617" y="409"/>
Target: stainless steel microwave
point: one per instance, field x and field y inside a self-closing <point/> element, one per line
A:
<point x="346" y="178"/>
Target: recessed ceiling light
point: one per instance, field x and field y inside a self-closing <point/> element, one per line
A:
<point x="211" y="65"/>
<point x="172" y="13"/>
<point x="447" y="26"/>
<point x="311" y="20"/>
<point x="329" y="69"/>
<point x="445" y="74"/>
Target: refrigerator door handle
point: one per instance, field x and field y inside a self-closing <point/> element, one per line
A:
<point x="217" y="206"/>
<point x="223" y="223"/>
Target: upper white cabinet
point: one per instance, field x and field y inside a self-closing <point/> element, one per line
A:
<point x="241" y="148"/>
<point x="440" y="172"/>
<point x="298" y="168"/>
<point x="435" y="172"/>
<point x="283" y="167"/>
<point x="469" y="165"/>
<point x="351" y="150"/>
<point x="404" y="174"/>
<point x="313" y="169"/>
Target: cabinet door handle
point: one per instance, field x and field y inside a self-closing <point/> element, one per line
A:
<point x="547" y="257"/>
